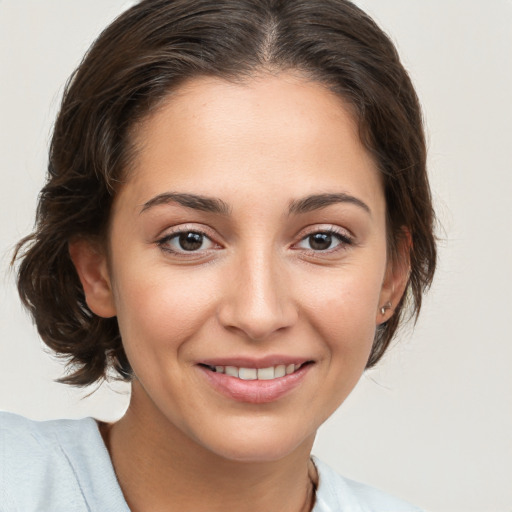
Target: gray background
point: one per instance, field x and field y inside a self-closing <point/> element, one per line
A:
<point x="433" y="423"/>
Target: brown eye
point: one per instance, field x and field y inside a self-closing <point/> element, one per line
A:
<point x="186" y="242"/>
<point x="320" y="241"/>
<point x="324" y="241"/>
<point x="190" y="241"/>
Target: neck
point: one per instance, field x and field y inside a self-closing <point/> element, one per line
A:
<point x="161" y="468"/>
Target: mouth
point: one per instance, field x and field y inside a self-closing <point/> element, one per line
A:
<point x="254" y="385"/>
<point x="268" y="373"/>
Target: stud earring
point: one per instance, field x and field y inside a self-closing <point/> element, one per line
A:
<point x="384" y="308"/>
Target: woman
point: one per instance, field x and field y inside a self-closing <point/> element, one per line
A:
<point x="236" y="217"/>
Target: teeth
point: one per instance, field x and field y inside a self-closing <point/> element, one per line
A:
<point x="270" y="373"/>
<point x="232" y="371"/>
<point x="247" y="373"/>
<point x="280" y="371"/>
<point x="266" y="373"/>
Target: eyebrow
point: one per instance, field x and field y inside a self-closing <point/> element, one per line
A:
<point x="193" y="201"/>
<point x="218" y="206"/>
<point x="318" y="201"/>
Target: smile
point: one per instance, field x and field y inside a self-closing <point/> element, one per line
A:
<point x="255" y="385"/>
<point x="270" y="373"/>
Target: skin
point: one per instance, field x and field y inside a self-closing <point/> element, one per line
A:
<point x="255" y="288"/>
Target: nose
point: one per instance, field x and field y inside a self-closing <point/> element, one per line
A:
<point x="257" y="300"/>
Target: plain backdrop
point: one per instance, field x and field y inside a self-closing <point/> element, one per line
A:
<point x="433" y="423"/>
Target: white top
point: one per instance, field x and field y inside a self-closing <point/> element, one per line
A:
<point x="64" y="466"/>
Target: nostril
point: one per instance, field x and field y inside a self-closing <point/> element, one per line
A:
<point x="256" y="300"/>
<point x="258" y="325"/>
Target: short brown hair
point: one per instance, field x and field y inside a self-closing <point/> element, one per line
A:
<point x="150" y="50"/>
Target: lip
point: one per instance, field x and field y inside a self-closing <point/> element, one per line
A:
<point x="253" y="391"/>
<point x="251" y="362"/>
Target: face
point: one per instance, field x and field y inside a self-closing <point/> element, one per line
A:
<point x="247" y="264"/>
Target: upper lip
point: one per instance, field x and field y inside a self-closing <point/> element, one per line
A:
<point x="251" y="362"/>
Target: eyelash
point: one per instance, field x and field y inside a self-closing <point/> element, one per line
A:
<point x="342" y="237"/>
<point x="163" y="243"/>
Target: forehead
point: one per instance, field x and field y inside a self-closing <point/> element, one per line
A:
<point x="211" y="136"/>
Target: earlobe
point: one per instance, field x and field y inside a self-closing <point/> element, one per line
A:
<point x="395" y="280"/>
<point x="90" y="262"/>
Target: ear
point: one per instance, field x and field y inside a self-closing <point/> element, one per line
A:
<point x="91" y="265"/>
<point x="396" y="278"/>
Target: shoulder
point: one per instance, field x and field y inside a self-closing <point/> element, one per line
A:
<point x="51" y="465"/>
<point x="40" y="442"/>
<point x="26" y="441"/>
<point x="14" y="426"/>
<point x="336" y="493"/>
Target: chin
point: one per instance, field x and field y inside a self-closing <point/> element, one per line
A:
<point x="261" y="453"/>
<point x="259" y="444"/>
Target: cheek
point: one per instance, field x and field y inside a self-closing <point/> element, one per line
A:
<point x="163" y="307"/>
<point x="342" y="308"/>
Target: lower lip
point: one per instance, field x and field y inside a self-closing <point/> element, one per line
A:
<point x="255" y="391"/>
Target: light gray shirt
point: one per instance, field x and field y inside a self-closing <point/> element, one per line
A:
<point x="64" y="466"/>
